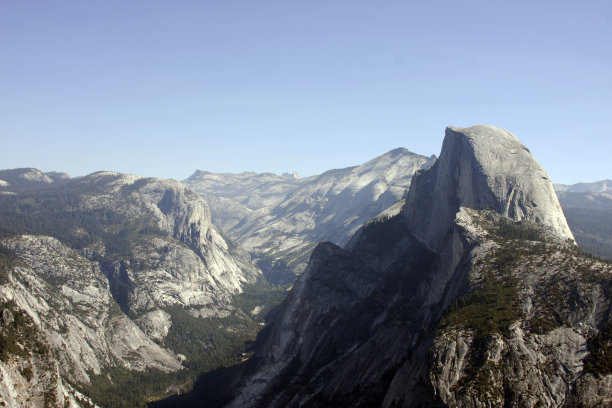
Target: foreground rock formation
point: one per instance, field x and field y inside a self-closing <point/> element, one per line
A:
<point x="482" y="167"/>
<point x="475" y="295"/>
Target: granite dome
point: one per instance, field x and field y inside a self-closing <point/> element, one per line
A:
<point x="482" y="167"/>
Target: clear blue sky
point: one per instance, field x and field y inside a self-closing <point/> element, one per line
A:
<point x="161" y="88"/>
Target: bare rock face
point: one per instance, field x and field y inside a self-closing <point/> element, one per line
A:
<point x="29" y="374"/>
<point x="180" y="212"/>
<point x="156" y="324"/>
<point x="70" y="302"/>
<point x="482" y="167"/>
<point x="184" y="216"/>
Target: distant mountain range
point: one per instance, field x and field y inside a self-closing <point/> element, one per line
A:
<point x="604" y="186"/>
<point x="588" y="209"/>
<point x="280" y="219"/>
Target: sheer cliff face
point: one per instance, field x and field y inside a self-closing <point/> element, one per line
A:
<point x="482" y="167"/>
<point x="206" y="265"/>
<point x="69" y="300"/>
<point x="453" y="301"/>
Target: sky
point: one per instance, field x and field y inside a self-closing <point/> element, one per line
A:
<point x="162" y="88"/>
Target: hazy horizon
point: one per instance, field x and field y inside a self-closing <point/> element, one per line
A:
<point x="249" y="171"/>
<point x="162" y="89"/>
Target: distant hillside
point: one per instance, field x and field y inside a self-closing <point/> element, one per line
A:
<point x="595" y="187"/>
<point x="280" y="219"/>
<point x="588" y="209"/>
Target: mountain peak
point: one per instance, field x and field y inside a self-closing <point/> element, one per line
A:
<point x="24" y="178"/>
<point x="478" y="132"/>
<point x="398" y="151"/>
<point x="293" y="175"/>
<point x="482" y="167"/>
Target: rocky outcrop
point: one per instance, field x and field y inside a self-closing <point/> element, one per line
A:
<point x="69" y="300"/>
<point x="475" y="295"/>
<point x="185" y="217"/>
<point x="482" y="167"/>
<point x="521" y="336"/>
<point x="181" y="213"/>
<point x="29" y="376"/>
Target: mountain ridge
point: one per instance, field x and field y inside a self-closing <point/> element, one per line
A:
<point x="281" y="219"/>
<point x="601" y="186"/>
<point x="588" y="208"/>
